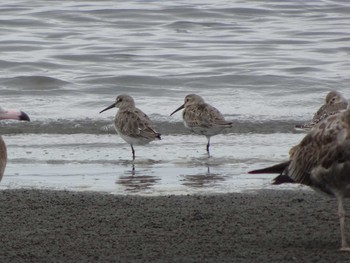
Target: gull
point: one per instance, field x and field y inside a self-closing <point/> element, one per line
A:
<point x="132" y="124"/>
<point x="322" y="161"/>
<point x="202" y="118"/>
<point x="334" y="102"/>
<point x="8" y="114"/>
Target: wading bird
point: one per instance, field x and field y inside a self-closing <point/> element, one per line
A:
<point x="202" y="118"/>
<point x="132" y="124"/>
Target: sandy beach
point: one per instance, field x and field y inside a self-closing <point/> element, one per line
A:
<point x="265" y="226"/>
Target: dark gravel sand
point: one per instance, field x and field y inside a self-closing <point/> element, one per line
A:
<point x="268" y="226"/>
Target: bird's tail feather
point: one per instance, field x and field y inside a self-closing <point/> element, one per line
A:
<point x="280" y="169"/>
<point x="274" y="169"/>
<point x="283" y="179"/>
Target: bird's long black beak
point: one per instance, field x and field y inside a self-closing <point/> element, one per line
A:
<point x="180" y="108"/>
<point x="108" y="108"/>
<point x="24" y="116"/>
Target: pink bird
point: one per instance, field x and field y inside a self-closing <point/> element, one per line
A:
<point x="7" y="115"/>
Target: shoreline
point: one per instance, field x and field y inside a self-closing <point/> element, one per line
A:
<point x="265" y="226"/>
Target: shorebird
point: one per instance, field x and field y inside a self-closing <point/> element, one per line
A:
<point x="202" y="118"/>
<point x="322" y="161"/>
<point x="334" y="102"/>
<point x="4" y="115"/>
<point x="132" y="124"/>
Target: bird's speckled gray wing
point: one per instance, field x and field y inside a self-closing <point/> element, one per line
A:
<point x="319" y="115"/>
<point x="326" y="110"/>
<point x="135" y="123"/>
<point x="204" y="115"/>
<point x="325" y="144"/>
<point x="323" y="112"/>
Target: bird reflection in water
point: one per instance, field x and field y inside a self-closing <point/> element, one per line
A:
<point x="137" y="181"/>
<point x="202" y="179"/>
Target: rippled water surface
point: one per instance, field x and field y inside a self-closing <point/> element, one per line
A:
<point x="267" y="65"/>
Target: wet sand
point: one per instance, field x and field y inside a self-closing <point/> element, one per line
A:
<point x="267" y="226"/>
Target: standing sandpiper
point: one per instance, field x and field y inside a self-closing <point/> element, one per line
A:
<point x="202" y="118"/>
<point x="334" y="102"/>
<point x="132" y="124"/>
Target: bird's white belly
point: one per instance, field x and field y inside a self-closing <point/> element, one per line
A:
<point x="205" y="131"/>
<point x="133" y="140"/>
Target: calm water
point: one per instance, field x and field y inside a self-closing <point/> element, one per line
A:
<point x="267" y="65"/>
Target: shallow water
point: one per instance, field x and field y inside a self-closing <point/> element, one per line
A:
<point x="178" y="164"/>
<point x="266" y="65"/>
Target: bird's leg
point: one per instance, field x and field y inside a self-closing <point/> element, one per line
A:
<point x="341" y="214"/>
<point x="208" y="145"/>
<point x="3" y="157"/>
<point x="208" y="169"/>
<point x="133" y="152"/>
<point x="133" y="169"/>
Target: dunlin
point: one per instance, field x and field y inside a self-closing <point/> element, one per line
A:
<point x="132" y="124"/>
<point x="14" y="115"/>
<point x="322" y="161"/>
<point x="334" y="102"/>
<point x="202" y="118"/>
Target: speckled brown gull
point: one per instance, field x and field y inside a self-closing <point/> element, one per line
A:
<point x="334" y="102"/>
<point x="9" y="114"/>
<point x="322" y="161"/>
<point x="132" y="124"/>
<point x="202" y="118"/>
